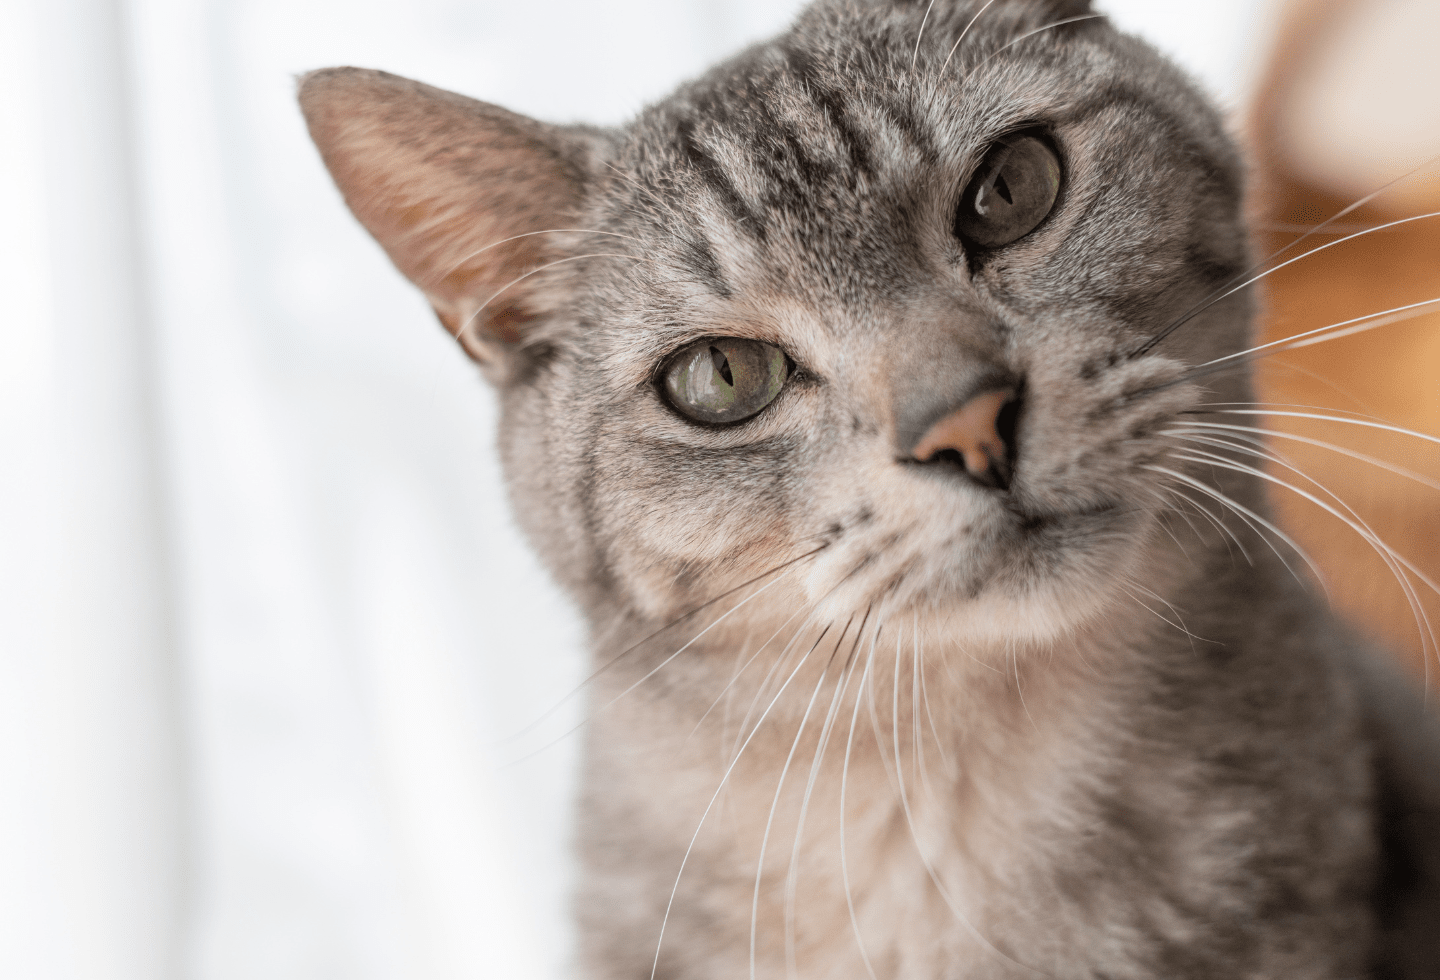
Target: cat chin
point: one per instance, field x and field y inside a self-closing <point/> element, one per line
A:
<point x="993" y="628"/>
<point x="1020" y="595"/>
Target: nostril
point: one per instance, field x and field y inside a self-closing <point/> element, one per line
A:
<point x="1007" y="427"/>
<point x="979" y="438"/>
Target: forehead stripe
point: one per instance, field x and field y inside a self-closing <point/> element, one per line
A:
<point x="830" y="106"/>
<point x="714" y="175"/>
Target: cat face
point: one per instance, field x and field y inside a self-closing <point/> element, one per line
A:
<point x="790" y="286"/>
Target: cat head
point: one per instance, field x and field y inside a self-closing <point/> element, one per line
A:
<point x="871" y="302"/>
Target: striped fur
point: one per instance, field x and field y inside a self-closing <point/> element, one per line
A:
<point x="857" y="717"/>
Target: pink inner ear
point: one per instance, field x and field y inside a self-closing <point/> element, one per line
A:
<point x="443" y="182"/>
<point x="507" y="326"/>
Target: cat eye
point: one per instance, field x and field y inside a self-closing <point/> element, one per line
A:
<point x="725" y="380"/>
<point x="1012" y="192"/>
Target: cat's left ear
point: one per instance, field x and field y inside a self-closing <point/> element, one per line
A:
<point x="446" y="184"/>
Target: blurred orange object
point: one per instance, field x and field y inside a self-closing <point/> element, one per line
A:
<point x="1349" y="103"/>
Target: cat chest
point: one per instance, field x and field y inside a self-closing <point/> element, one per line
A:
<point x="863" y="851"/>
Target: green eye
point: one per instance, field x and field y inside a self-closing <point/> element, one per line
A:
<point x="1013" y="191"/>
<point x="725" y="380"/>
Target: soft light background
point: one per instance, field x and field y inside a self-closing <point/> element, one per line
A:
<point x="269" y="644"/>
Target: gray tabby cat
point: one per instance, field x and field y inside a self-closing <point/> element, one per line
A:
<point x="861" y="394"/>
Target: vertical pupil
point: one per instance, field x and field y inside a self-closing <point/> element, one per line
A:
<point x="722" y="366"/>
<point x="1003" y="189"/>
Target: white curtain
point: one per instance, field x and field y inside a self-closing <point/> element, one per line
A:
<point x="270" y="648"/>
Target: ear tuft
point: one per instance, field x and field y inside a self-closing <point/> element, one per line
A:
<point x="446" y="184"/>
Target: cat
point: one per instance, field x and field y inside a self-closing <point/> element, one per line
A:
<point x="866" y="395"/>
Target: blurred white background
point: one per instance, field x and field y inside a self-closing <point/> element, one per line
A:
<point x="266" y="630"/>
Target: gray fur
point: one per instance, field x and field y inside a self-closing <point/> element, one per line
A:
<point x="1079" y="734"/>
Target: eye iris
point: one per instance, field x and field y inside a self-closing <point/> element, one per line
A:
<point x="725" y="380"/>
<point x="1013" y="192"/>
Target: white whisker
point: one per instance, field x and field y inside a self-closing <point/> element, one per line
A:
<point x="844" y="781"/>
<point x="1178" y="622"/>
<point x="1250" y="517"/>
<point x="724" y="780"/>
<point x="1015" y="41"/>
<point x="925" y="862"/>
<point x="950" y="767"/>
<point x="1389" y="555"/>
<point x="697" y="637"/>
<point x="1167" y="331"/>
<point x="513" y="238"/>
<point x="746" y="666"/>
<point x="470" y="320"/>
<point x="1259" y="434"/>
<point x="956" y="46"/>
<point x="1334" y="331"/>
<point x="777" y="668"/>
<point x="1323" y="417"/>
<point x="1226" y="535"/>
<point x="784" y="566"/>
<point x="792" y="877"/>
<point x="921" y="33"/>
<point x="779" y="787"/>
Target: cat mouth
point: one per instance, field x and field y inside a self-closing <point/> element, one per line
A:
<point x="1039" y="521"/>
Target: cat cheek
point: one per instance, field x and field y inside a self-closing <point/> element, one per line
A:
<point x="1087" y="437"/>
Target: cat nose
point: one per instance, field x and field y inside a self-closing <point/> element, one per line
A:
<point x="979" y="435"/>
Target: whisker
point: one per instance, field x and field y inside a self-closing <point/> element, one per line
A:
<point x="1226" y="535"/>
<point x="1165" y="514"/>
<point x="917" y="748"/>
<point x="470" y="320"/>
<point x="724" y="780"/>
<point x="1249" y="516"/>
<point x="921" y="33"/>
<point x="1389" y="555"/>
<point x="1292" y="228"/>
<point x="672" y="623"/>
<point x="792" y="877"/>
<point x="1320" y="335"/>
<point x="779" y="786"/>
<point x="1364" y="408"/>
<point x="1325" y="417"/>
<point x="1392" y="559"/>
<point x="1259" y="435"/>
<point x="1206" y="409"/>
<point x="615" y="700"/>
<point x="1015" y="661"/>
<point x="735" y="679"/>
<point x="504" y="241"/>
<point x="775" y="670"/>
<point x="1015" y="41"/>
<point x="844" y="780"/>
<point x="1178" y="622"/>
<point x="914" y="834"/>
<point x="1309" y="337"/>
<point x="925" y="697"/>
<point x="696" y="638"/>
<point x="956" y="46"/>
<point x="1330" y="222"/>
<point x="1150" y="344"/>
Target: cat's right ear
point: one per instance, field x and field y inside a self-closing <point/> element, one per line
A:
<point x="446" y="184"/>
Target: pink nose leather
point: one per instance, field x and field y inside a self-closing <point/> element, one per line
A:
<point x="971" y="431"/>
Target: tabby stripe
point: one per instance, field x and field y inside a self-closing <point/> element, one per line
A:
<point x="702" y="259"/>
<point x="710" y="170"/>
<point x="806" y="170"/>
<point x="832" y="108"/>
<point x="902" y="116"/>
